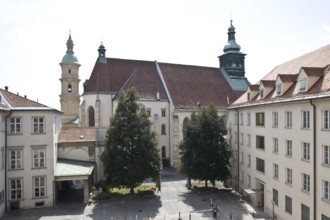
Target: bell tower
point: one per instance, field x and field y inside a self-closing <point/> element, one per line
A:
<point x="70" y="97"/>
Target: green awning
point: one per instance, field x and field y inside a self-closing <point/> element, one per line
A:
<point x="73" y="168"/>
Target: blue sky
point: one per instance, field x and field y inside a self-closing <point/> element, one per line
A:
<point x="34" y="33"/>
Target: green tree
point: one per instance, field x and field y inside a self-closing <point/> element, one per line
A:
<point x="130" y="154"/>
<point x="205" y="153"/>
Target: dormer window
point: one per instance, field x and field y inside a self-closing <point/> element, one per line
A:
<point x="302" y="85"/>
<point x="249" y="96"/>
<point x="261" y="93"/>
<point x="278" y="89"/>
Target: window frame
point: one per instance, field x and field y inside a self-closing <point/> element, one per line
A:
<point x="305" y="119"/>
<point x="260" y="119"/>
<point x="163" y="112"/>
<point x="275" y="171"/>
<point x="15" y="127"/>
<point x="260" y="142"/>
<point x="326" y="190"/>
<point x="288" y="119"/>
<point x="17" y="162"/>
<point x="275" y="145"/>
<point x="288" y="176"/>
<point x="306" y="151"/>
<point x="326" y="119"/>
<point x="13" y="195"/>
<point x="37" y="161"/>
<point x="40" y="190"/>
<point x="38" y="127"/>
<point x="275" y="119"/>
<point x="288" y="204"/>
<point x="260" y="165"/>
<point x="275" y="196"/>
<point x="306" y="182"/>
<point x="288" y="148"/>
<point x="302" y="85"/>
<point x="163" y="129"/>
<point x="326" y="155"/>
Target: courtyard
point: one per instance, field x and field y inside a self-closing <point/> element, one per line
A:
<point x="174" y="201"/>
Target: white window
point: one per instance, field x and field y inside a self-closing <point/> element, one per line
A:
<point x="302" y="85"/>
<point x="326" y="154"/>
<point x="2" y="158"/>
<point x="278" y="89"/>
<point x="15" y="159"/>
<point x="275" y="119"/>
<point x="38" y="125"/>
<point x="326" y="119"/>
<point x="275" y="167"/>
<point x="288" y="119"/>
<point x="15" y="189"/>
<point x="241" y="118"/>
<point x="248" y="119"/>
<point x="326" y="189"/>
<point x="249" y="160"/>
<point x="306" y="182"/>
<point x="249" y="139"/>
<point x="288" y="179"/>
<point x="15" y="125"/>
<point x="241" y="138"/>
<point x="306" y="151"/>
<point x="39" y="156"/>
<point x="305" y="119"/>
<point x="242" y="158"/>
<point x="275" y="145"/>
<point x="288" y="148"/>
<point x="163" y="112"/>
<point x="39" y="187"/>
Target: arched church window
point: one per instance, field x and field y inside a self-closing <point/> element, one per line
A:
<point x="91" y="117"/>
<point x="163" y="152"/>
<point x="185" y="121"/>
<point x="163" y="129"/>
<point x="69" y="88"/>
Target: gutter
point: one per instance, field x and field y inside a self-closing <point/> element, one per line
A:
<point x="6" y="162"/>
<point x="314" y="159"/>
<point x="237" y="150"/>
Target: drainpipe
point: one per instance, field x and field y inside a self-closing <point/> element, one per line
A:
<point x="169" y="134"/>
<point x="6" y="162"/>
<point x="314" y="159"/>
<point x="237" y="150"/>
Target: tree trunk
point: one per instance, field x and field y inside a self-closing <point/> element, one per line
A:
<point x="132" y="190"/>
<point x="205" y="183"/>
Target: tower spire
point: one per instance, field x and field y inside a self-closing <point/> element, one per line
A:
<point x="231" y="45"/>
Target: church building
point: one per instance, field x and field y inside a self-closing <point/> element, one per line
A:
<point x="169" y="92"/>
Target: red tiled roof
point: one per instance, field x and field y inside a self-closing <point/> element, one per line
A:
<point x="313" y="71"/>
<point x="187" y="84"/>
<point x="268" y="83"/>
<point x="288" y="77"/>
<point x="77" y="134"/>
<point x="18" y="101"/>
<point x="254" y="87"/>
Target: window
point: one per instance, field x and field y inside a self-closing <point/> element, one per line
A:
<point x="275" y="145"/>
<point x="69" y="88"/>
<point x="69" y="71"/>
<point x="288" y="119"/>
<point x="275" y="196"/>
<point x="275" y="119"/>
<point x="275" y="167"/>
<point x="305" y="215"/>
<point x="261" y="93"/>
<point x="302" y="85"/>
<point x="2" y="196"/>
<point x="260" y="142"/>
<point x="163" y="112"/>
<point x="326" y="190"/>
<point x="288" y="204"/>
<point x="2" y="158"/>
<point x="260" y="119"/>
<point x="278" y="89"/>
<point x="163" y="151"/>
<point x="326" y="155"/>
<point x="326" y="119"/>
<point x="248" y="119"/>
<point x="242" y="157"/>
<point x="15" y="189"/>
<point x="306" y="182"/>
<point x="323" y="217"/>
<point x="15" y="159"/>
<point x="249" y="140"/>
<point x="249" y="181"/>
<point x="249" y="160"/>
<point x="38" y="125"/>
<point x="249" y="96"/>
<point x="241" y="138"/>
<point x="235" y="119"/>
<point x="305" y="151"/>
<point x="288" y="179"/>
<point x="235" y="137"/>
<point x="260" y="165"/>
<point x="242" y="176"/>
<point x="39" y="187"/>
<point x="305" y="119"/>
<point x="241" y="118"/>
<point x="149" y="112"/>
<point x="91" y="117"/>
<point x="15" y="125"/>
<point x="39" y="156"/>
<point x="163" y="129"/>
<point x="288" y="148"/>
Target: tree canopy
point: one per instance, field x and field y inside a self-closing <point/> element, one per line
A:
<point x="205" y="153"/>
<point x="130" y="154"/>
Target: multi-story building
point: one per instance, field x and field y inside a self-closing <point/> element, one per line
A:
<point x="30" y="131"/>
<point x="280" y="135"/>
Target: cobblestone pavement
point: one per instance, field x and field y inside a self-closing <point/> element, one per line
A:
<point x="174" y="201"/>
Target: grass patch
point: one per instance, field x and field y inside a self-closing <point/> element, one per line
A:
<point x="141" y="190"/>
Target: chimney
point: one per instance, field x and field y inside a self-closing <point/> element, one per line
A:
<point x="6" y="88"/>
